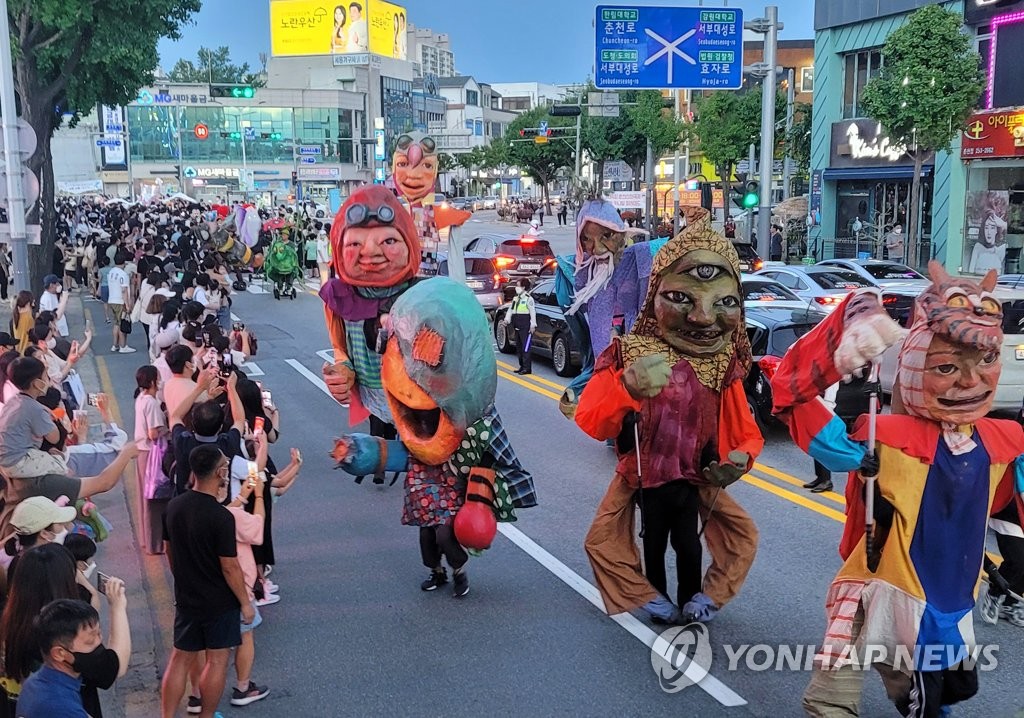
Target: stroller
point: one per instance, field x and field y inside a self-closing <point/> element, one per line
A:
<point x="283" y="269"/>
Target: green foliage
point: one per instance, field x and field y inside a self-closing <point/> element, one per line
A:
<point x="797" y="142"/>
<point x="540" y="162"/>
<point x="727" y="123"/>
<point x="445" y="163"/>
<point x="655" y="122"/>
<point x="71" y="55"/>
<point x="930" y="82"/>
<point x="612" y="138"/>
<point x="214" y="66"/>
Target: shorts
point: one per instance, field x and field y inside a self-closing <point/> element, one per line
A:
<point x="104" y="294"/>
<point x="256" y="621"/>
<point x="193" y="633"/>
<point x="117" y="310"/>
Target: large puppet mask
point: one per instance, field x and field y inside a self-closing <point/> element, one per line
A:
<point x="374" y="240"/>
<point x="600" y="242"/>
<point x="439" y="370"/>
<point x="950" y="362"/>
<point x="414" y="167"/>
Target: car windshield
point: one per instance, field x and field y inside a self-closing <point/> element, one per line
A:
<point x="517" y="247"/>
<point x="479" y="266"/>
<point x="784" y="337"/>
<point x="767" y="292"/>
<point x="1013" y="316"/>
<point x="839" y="280"/>
<point x="892" y="271"/>
<point x="745" y="251"/>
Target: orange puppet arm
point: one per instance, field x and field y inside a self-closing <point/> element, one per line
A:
<point x="604" y="404"/>
<point x="737" y="430"/>
<point x="450" y="217"/>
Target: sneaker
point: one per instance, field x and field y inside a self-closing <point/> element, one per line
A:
<point x="461" y="587"/>
<point x="114" y="349"/>
<point x="268" y="599"/>
<point x="991" y="607"/>
<point x="662" y="611"/>
<point x="436" y="579"/>
<point x="128" y="350"/>
<point x="1015" y="614"/>
<point x="195" y="705"/>
<point x="269" y="586"/>
<point x="268" y="569"/>
<point x="250" y="695"/>
<point x="699" y="608"/>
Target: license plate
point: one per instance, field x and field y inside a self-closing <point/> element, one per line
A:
<point x="1018" y="354"/>
<point x="529" y="267"/>
<point x="472" y="284"/>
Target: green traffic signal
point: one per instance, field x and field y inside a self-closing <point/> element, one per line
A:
<point x="751" y="195"/>
<point x="275" y="135"/>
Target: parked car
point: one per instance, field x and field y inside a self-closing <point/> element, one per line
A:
<point x="513" y="256"/>
<point x="461" y="203"/>
<point x="773" y="326"/>
<point x="481" y="277"/>
<point x="828" y="286"/>
<point x="1014" y="281"/>
<point x="552" y="340"/>
<point x="1011" y="380"/>
<point x="490" y="203"/>
<point x="882" y="272"/>
<point x="749" y="259"/>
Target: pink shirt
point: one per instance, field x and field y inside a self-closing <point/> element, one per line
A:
<point x="248" y="533"/>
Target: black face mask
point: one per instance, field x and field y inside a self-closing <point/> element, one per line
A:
<point x="99" y="667"/>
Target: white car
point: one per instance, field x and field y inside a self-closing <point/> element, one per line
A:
<point x="1010" y="390"/>
<point x="882" y="272"/>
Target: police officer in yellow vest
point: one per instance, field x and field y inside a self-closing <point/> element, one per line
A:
<point x="522" y="317"/>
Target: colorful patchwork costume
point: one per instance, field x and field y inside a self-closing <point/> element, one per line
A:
<point x="942" y="470"/>
<point x="696" y="433"/>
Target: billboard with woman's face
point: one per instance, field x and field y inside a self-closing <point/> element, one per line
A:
<point x="338" y="27"/>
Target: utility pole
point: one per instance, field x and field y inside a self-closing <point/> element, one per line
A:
<point x="751" y="163"/>
<point x="768" y="26"/>
<point x="579" y="132"/>
<point x="675" y="167"/>
<point x="787" y="163"/>
<point x="650" y="200"/>
<point x="15" y="196"/>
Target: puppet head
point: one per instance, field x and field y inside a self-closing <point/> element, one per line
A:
<point x="439" y="370"/>
<point x="950" y="362"/>
<point x="373" y="240"/>
<point x="600" y="241"/>
<point x="694" y="307"/>
<point x="414" y="166"/>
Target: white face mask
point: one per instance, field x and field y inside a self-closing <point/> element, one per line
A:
<point x="519" y="290"/>
<point x="59" y="537"/>
<point x="88" y="571"/>
<point x="51" y="343"/>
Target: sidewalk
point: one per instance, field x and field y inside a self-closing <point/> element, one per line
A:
<point x="137" y="694"/>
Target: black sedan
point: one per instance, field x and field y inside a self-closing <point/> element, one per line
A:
<point x="552" y="340"/>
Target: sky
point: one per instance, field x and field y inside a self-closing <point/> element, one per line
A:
<point x="505" y="41"/>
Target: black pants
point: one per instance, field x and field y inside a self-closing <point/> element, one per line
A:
<point x="436" y="541"/>
<point x="540" y="217"/>
<point x="1012" y="568"/>
<point x="670" y="515"/>
<point x="821" y="474"/>
<point x="521" y="326"/>
<point x="4" y="280"/>
<point x="561" y="218"/>
<point x="930" y="690"/>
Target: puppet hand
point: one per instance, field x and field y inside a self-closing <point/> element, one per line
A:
<point x="867" y="333"/>
<point x="646" y="377"/>
<point x="869" y="466"/>
<point x="339" y="378"/>
<point x="727" y="472"/>
<point x="357" y="454"/>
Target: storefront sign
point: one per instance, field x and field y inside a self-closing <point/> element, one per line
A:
<point x="318" y="173"/>
<point x="217" y="172"/>
<point x="993" y="134"/>
<point x="628" y="200"/>
<point x="863" y="143"/>
<point x="164" y="97"/>
<point x="113" y="147"/>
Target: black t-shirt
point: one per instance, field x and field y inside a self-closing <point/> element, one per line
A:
<point x="200" y="532"/>
<point x="183" y="441"/>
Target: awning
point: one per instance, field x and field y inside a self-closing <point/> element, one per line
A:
<point x="873" y="173"/>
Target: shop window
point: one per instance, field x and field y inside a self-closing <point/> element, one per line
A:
<point x="994" y="226"/>
<point x="860" y="68"/>
<point x="807" y="80"/>
<point x="472" y="97"/>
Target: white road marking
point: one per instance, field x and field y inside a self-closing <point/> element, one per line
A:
<point x="252" y="369"/>
<point x="253" y="289"/>
<point x="234" y="317"/>
<point x="710" y="685"/>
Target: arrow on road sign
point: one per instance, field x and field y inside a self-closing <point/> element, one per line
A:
<point x="308" y="160"/>
<point x="670" y="49"/>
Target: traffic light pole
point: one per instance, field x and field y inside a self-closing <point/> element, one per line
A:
<point x="769" y="26"/>
<point x="15" y="198"/>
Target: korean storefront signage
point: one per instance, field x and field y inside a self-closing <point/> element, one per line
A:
<point x="864" y="143"/>
<point x="318" y="173"/>
<point x="993" y="134"/>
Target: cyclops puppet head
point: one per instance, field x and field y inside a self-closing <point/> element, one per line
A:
<point x="374" y="241"/>
<point x="694" y="308"/>
<point x="439" y="370"/>
<point x="950" y="362"/>
<point x="414" y="166"/>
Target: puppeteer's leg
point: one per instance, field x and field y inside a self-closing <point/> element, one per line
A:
<point x="731" y="538"/>
<point x="613" y="554"/>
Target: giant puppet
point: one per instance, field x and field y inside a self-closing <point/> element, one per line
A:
<point x="914" y="542"/>
<point x="439" y="378"/>
<point x="674" y="384"/>
<point x="414" y="174"/>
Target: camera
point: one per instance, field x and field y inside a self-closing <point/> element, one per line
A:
<point x="225" y="364"/>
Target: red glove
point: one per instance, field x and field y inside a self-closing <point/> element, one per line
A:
<point x="475" y="524"/>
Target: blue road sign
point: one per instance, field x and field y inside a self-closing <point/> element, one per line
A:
<point x="309" y="149"/>
<point x="657" y="48"/>
<point x="308" y="160"/>
<point x="543" y="128"/>
<point x="250" y="133"/>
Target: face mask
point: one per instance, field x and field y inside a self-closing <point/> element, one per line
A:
<point x="519" y="290"/>
<point x="88" y="571"/>
<point x="51" y="343"/>
<point x="98" y="667"/>
<point x="59" y="537"/>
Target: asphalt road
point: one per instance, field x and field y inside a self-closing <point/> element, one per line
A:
<point x="354" y="635"/>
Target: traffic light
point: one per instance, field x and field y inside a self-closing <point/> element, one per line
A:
<point x="749" y="196"/>
<point x="275" y="136"/>
<point x="231" y="135"/>
<point x="564" y="110"/>
<point x="528" y="132"/>
<point x="238" y="92"/>
<point x="706" y="196"/>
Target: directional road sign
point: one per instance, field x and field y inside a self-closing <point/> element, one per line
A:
<point x="543" y="130"/>
<point x="309" y="149"/>
<point x="308" y="160"/>
<point x="694" y="48"/>
<point x="250" y="133"/>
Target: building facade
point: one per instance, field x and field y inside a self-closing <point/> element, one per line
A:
<point x="860" y="180"/>
<point x="523" y="96"/>
<point x="992" y="147"/>
<point x="430" y="51"/>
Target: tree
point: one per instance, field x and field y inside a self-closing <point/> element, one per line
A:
<point x="214" y="66"/>
<point x="611" y="138"/>
<point x="69" y="56"/>
<point x="930" y="82"/>
<point x="657" y="125"/>
<point x="797" y="142"/>
<point x="725" y="125"/>
<point x="541" y="162"/>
